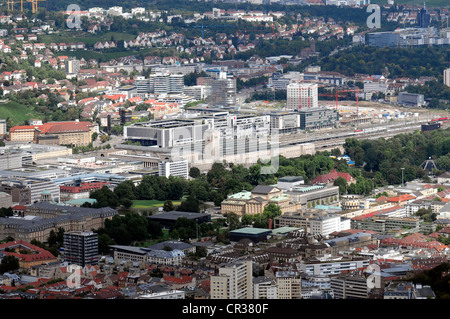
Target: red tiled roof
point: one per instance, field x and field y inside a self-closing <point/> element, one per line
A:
<point x="40" y="255"/>
<point x="23" y="127"/>
<point x="331" y="176"/>
<point x="84" y="187"/>
<point x="401" y="198"/>
<point x="382" y="199"/>
<point x="176" y="280"/>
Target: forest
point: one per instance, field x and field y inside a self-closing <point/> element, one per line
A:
<point x="399" y="62"/>
<point x="383" y="159"/>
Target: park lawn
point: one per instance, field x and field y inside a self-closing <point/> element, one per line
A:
<point x="151" y="203"/>
<point x="17" y="112"/>
<point x="166" y="236"/>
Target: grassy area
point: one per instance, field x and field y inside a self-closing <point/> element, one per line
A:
<point x="151" y="203"/>
<point x="165" y="237"/>
<point x="18" y="113"/>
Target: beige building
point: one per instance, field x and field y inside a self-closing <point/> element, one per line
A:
<point x="289" y="286"/>
<point x="26" y="133"/>
<point x="55" y="133"/>
<point x="5" y="200"/>
<point x="254" y="202"/>
<point x="234" y="281"/>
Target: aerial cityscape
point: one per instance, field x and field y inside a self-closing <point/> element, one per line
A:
<point x="231" y="149"/>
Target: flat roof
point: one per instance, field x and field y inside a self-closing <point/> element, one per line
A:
<point x="174" y="215"/>
<point x="251" y="231"/>
<point x="283" y="230"/>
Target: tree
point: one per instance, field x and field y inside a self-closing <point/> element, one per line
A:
<point x="154" y="229"/>
<point x="233" y="221"/>
<point x="191" y="204"/>
<point x="194" y="172"/>
<point x="168" y="206"/>
<point x="271" y="211"/>
<point x="104" y="241"/>
<point x="125" y="190"/>
<point x="218" y="198"/>
<point x="8" y="264"/>
<point x="105" y="198"/>
<point x="184" y="228"/>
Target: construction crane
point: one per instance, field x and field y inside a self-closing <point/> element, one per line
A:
<point x="337" y="95"/>
<point x="200" y="26"/>
<point x="34" y="5"/>
<point x="11" y="4"/>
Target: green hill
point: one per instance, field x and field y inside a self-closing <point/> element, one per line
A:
<point x="18" y="113"/>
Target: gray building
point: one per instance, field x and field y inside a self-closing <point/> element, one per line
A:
<point x="160" y="83"/>
<point x="319" y="117"/>
<point x="81" y="248"/>
<point x="223" y="91"/>
<point x="313" y="195"/>
<point x="166" y="133"/>
<point x="285" y="122"/>
<point x="349" y="287"/>
<point x="411" y="99"/>
<point x="36" y="186"/>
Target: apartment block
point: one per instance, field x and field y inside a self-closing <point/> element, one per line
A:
<point x="349" y="287"/>
<point x="289" y="285"/>
<point x="233" y="281"/>
<point x="81" y="248"/>
<point x="327" y="266"/>
<point x="447" y="77"/>
<point x="174" y="168"/>
<point x="302" y="96"/>
<point x="5" y="200"/>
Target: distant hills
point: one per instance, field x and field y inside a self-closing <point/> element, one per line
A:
<point x="428" y="3"/>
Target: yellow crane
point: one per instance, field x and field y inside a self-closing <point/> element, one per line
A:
<point x="34" y="5"/>
<point x="11" y="4"/>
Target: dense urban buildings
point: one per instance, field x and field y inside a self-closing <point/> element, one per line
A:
<point x="253" y="151"/>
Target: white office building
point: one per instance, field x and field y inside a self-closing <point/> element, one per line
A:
<point x="332" y="267"/>
<point x="447" y="77"/>
<point x="174" y="168"/>
<point x="302" y="95"/>
<point x="171" y="294"/>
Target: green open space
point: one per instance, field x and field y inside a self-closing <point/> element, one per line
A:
<point x="17" y="112"/>
<point x="151" y="203"/>
<point x="165" y="236"/>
